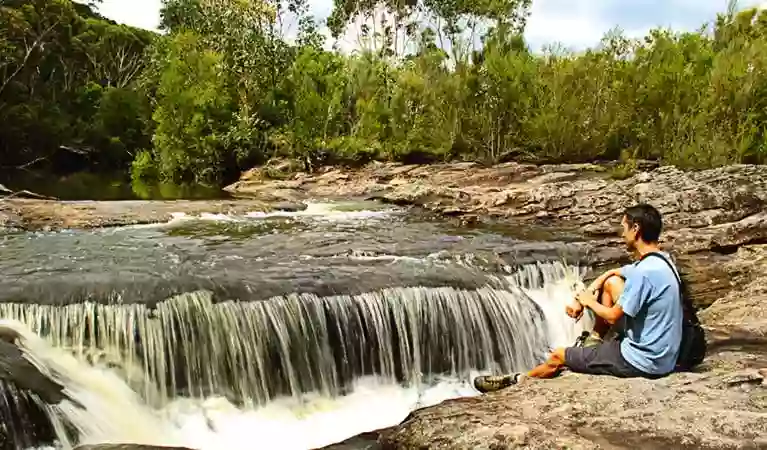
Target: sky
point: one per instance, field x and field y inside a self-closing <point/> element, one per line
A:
<point x="576" y="24"/>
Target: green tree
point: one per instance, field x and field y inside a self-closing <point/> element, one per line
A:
<point x="56" y="59"/>
<point x="194" y="112"/>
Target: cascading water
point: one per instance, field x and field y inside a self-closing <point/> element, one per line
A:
<point x="298" y="370"/>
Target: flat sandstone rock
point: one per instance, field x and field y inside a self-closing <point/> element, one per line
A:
<point x="53" y="215"/>
<point x="722" y="406"/>
<point x="701" y="411"/>
<point x="581" y="196"/>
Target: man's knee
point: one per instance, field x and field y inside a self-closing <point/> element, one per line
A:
<point x="613" y="287"/>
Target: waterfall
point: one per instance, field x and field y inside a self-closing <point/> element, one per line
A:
<point x="285" y="347"/>
<point x="99" y="407"/>
<point x="298" y="343"/>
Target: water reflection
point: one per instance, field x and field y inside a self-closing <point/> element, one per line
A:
<point x="110" y="186"/>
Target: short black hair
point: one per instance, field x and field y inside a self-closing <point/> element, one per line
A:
<point x="649" y="220"/>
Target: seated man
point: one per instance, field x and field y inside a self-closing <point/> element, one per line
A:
<point x="648" y="303"/>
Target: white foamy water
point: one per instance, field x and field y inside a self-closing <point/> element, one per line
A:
<point x="311" y="422"/>
<point x="112" y="412"/>
<point x="553" y="289"/>
<point x="107" y="410"/>
<point x="316" y="211"/>
<point x="316" y="421"/>
<point x="329" y="211"/>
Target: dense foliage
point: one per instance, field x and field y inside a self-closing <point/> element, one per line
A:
<point x="68" y="84"/>
<point x="224" y="88"/>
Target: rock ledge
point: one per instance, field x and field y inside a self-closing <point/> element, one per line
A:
<point x="721" y="406"/>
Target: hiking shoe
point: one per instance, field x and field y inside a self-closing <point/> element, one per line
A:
<point x="490" y="383"/>
<point x="587" y="339"/>
<point x="581" y="339"/>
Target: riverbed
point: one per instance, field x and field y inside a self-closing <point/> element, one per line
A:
<point x="293" y="329"/>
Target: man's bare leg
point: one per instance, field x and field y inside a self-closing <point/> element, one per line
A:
<point x="551" y="367"/>
<point x="611" y="292"/>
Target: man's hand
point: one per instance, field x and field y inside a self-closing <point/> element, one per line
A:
<point x="610" y="314"/>
<point x="574" y="310"/>
<point x="600" y="281"/>
<point x="587" y="299"/>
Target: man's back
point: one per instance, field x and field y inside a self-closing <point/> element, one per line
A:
<point x="653" y="309"/>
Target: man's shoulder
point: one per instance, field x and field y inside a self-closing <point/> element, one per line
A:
<point x="656" y="271"/>
<point x="658" y="262"/>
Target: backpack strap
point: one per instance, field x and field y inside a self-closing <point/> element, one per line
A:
<point x="668" y="263"/>
<point x="689" y="309"/>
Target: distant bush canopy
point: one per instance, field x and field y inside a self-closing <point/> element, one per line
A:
<point x="223" y="89"/>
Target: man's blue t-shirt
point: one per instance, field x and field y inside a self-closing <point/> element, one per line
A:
<point x="653" y="316"/>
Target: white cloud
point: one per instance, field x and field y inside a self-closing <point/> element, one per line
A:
<point x="573" y="23"/>
<point x="573" y="26"/>
<point x="578" y="24"/>
<point x="137" y="13"/>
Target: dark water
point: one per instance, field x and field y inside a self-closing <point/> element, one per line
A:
<point x="317" y="298"/>
<point x="268" y="306"/>
<point x="90" y="186"/>
<point x="342" y="248"/>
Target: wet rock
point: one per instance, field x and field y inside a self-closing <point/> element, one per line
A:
<point x="722" y="405"/>
<point x="364" y="441"/>
<point x="290" y="206"/>
<point x="52" y="215"/>
<point x="18" y="371"/>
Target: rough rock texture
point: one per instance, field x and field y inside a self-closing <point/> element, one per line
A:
<point x="43" y="214"/>
<point x="726" y="203"/>
<point x="694" y="411"/>
<point x="574" y="195"/>
<point x="707" y="214"/>
<point x="721" y="406"/>
<point x="743" y="310"/>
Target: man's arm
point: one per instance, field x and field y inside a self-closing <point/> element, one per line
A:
<point x="576" y="311"/>
<point x="635" y="293"/>
<point x="611" y="314"/>
<point x="600" y="281"/>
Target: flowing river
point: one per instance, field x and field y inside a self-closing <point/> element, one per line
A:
<point x="281" y="330"/>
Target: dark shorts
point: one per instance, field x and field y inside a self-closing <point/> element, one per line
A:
<point x="603" y="359"/>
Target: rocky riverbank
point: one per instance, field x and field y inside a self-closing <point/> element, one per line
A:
<point x="34" y="214"/>
<point x="723" y="405"/>
<point x="715" y="226"/>
<point x="708" y="214"/>
<point x="577" y="197"/>
<point x="725" y="202"/>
